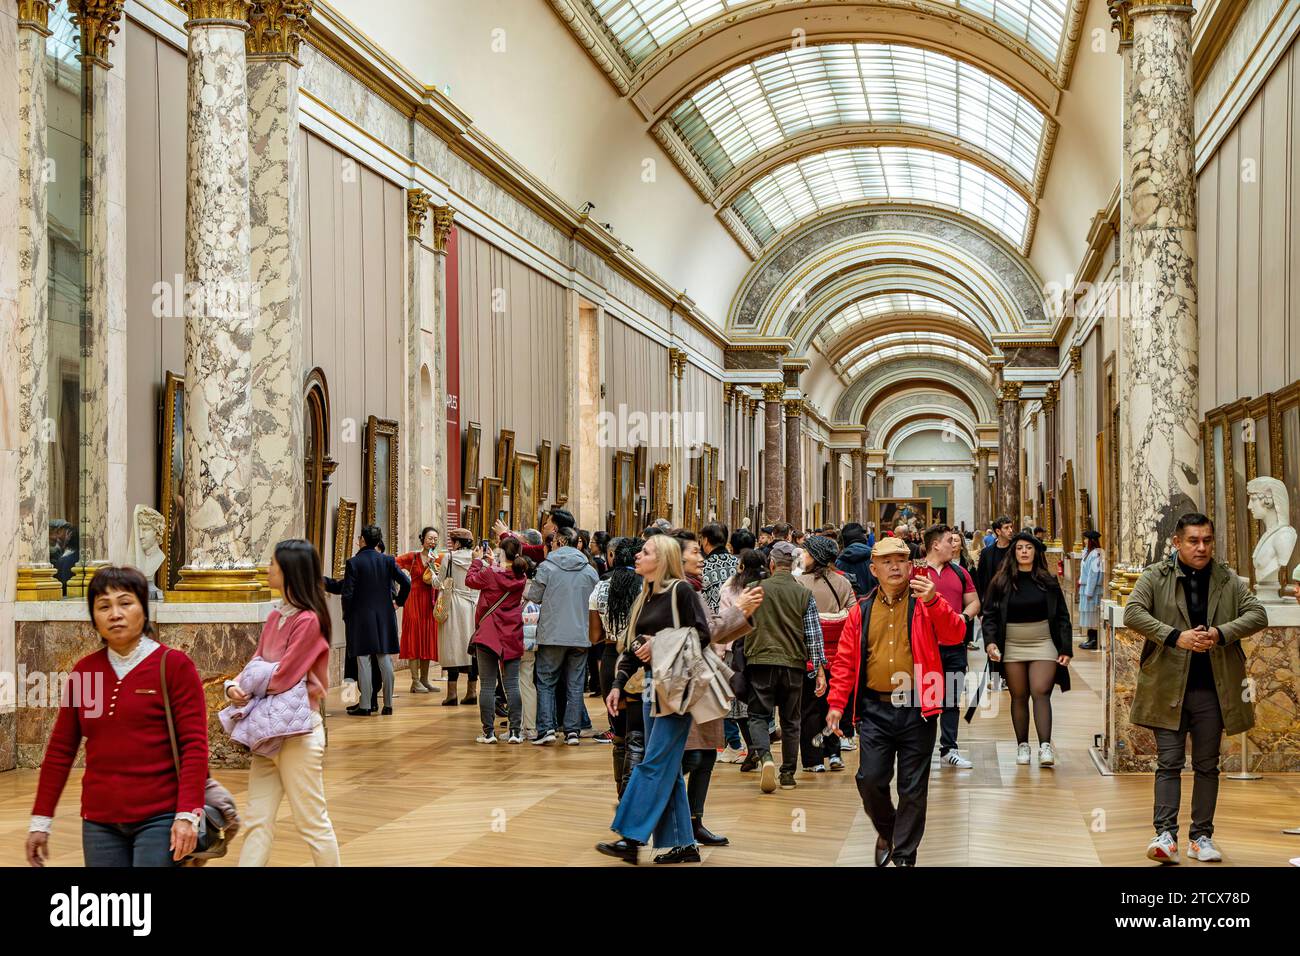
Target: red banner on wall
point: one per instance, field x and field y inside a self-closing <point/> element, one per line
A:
<point x="452" y="398"/>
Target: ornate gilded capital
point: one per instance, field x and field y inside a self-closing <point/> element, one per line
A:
<point x="677" y="363"/>
<point x="1120" y="21"/>
<point x="276" y="29"/>
<point x="1010" y="391"/>
<point x="443" y="217"/>
<point x="417" y="211"/>
<point x="1033" y="420"/>
<point x="1052" y="397"/>
<point x="232" y="12"/>
<point x="773" y="391"/>
<point x="98" y="21"/>
<point x="1076" y="359"/>
<point x="35" y="15"/>
<point x="793" y="407"/>
<point x="728" y="390"/>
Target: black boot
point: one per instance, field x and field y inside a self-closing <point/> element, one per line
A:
<point x="635" y="754"/>
<point x="680" y="854"/>
<point x="704" y="837"/>
<point x="624" y="850"/>
<point x="620" y="760"/>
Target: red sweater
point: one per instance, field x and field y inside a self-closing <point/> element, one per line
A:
<point x="129" y="775"/>
<point x="301" y="650"/>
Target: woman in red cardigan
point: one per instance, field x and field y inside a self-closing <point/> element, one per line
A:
<point x="136" y="809"/>
<point x="297" y="637"/>
<point x="498" y="640"/>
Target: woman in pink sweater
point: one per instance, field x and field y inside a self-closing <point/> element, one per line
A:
<point x="297" y="636"/>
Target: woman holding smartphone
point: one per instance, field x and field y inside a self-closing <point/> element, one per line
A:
<point x="1029" y="639"/>
<point x="419" y="627"/>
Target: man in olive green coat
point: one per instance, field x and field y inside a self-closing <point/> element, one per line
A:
<point x="1193" y="612"/>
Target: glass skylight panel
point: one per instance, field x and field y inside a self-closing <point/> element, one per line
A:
<point x="898" y="352"/>
<point x="892" y="173"/>
<point x="1040" y="23"/>
<point x="886" y="303"/>
<point x="921" y="343"/>
<point x="778" y="97"/>
<point x="643" y="26"/>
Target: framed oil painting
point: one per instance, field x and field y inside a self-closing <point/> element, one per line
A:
<point x="345" y="532"/>
<point x="642" y="515"/>
<point x="171" y="485"/>
<point x="624" y="493"/>
<point x="639" y="456"/>
<point x="563" y="465"/>
<point x="381" y="466"/>
<point x="489" y="502"/>
<point x="888" y="512"/>
<point x="473" y="523"/>
<point x="691" y="509"/>
<point x="470" y="472"/>
<point x="659" y="503"/>
<point x="505" y="456"/>
<point x="523" y="494"/>
<point x="543" y="472"/>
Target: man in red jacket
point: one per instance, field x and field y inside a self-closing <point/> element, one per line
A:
<point x="889" y="653"/>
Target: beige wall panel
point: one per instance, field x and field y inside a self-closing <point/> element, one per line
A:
<point x="1274" y="177"/>
<point x="1293" y="227"/>
<point x="1250" y="177"/>
<point x="1207" y="280"/>
<point x="395" y="302"/>
<point x="1225" y="340"/>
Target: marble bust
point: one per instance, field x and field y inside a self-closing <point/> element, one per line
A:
<point x="145" y="547"/>
<point x="1269" y="503"/>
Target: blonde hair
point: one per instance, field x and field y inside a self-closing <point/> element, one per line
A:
<point x="669" y="551"/>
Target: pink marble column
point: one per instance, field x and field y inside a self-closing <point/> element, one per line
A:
<point x="794" y="510"/>
<point x="1009" y="501"/>
<point x="773" y="472"/>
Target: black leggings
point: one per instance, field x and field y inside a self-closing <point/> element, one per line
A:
<point x="1026" y="679"/>
<point x="697" y="766"/>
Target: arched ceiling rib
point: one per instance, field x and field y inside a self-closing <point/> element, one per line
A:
<point x="894" y="398"/>
<point x="947" y="430"/>
<point x="761" y="105"/>
<point x="875" y="307"/>
<point x="857" y="399"/>
<point x="911" y="323"/>
<point x="896" y="345"/>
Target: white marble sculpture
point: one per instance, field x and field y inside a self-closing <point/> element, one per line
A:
<point x="1270" y="503"/>
<point x="144" y="550"/>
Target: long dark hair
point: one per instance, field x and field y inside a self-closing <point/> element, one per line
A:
<point x="751" y="570"/>
<point x="120" y="578"/>
<point x="624" y="584"/>
<point x="304" y="587"/>
<point x="1008" y="577"/>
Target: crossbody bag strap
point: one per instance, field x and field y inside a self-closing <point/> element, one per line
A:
<point x="167" y="709"/>
<point x="672" y="597"/>
<point x="501" y="600"/>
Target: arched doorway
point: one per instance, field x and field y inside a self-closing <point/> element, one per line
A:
<point x="317" y="463"/>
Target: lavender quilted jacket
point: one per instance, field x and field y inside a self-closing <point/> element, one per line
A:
<point x="264" y="722"/>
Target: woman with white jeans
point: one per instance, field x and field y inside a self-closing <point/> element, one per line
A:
<point x="296" y="636"/>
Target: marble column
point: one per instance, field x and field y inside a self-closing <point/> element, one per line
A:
<point x="1050" y="403"/>
<point x="443" y="218"/>
<point x="35" y="575"/>
<point x="837" y="487"/>
<point x="794" y="507"/>
<point x="727" y="465"/>
<point x="104" y="506"/>
<point x="982" y="519"/>
<point x="11" y="445"/>
<point x="859" y="487"/>
<point x="1009" y="499"/>
<point x="417" y="337"/>
<point x="275" y="177"/>
<point x="1158" y="384"/>
<point x="774" y="484"/>
<point x="222" y="564"/>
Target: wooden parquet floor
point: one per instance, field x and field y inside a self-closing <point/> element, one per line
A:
<point x="414" y="789"/>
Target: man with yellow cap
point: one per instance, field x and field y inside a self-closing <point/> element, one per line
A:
<point x="889" y="657"/>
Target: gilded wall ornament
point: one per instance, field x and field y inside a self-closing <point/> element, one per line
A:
<point x="443" y="218"/>
<point x="276" y="28"/>
<point x="97" y="20"/>
<point x="417" y="211"/>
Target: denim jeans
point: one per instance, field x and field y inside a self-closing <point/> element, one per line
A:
<point x="128" y="844"/>
<point x="488" y="666"/>
<point x="731" y="729"/>
<point x="654" y="802"/>
<point x="551" y="659"/>
<point x="954" y="662"/>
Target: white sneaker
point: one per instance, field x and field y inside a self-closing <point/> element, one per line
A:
<point x="1203" y="849"/>
<point x="731" y="755"/>
<point x="835" y="763"/>
<point x="515" y="739"/>
<point x="1046" y="755"/>
<point x="1163" y="849"/>
<point x="572" y="740"/>
<point x="954" y="759"/>
<point x="485" y="739"/>
<point x="1022" y="754"/>
<point x="542" y="739"/>
<point x="848" y="743"/>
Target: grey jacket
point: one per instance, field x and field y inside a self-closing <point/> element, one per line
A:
<point x="563" y="587"/>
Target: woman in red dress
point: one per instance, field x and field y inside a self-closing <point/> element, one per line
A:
<point x="419" y="629"/>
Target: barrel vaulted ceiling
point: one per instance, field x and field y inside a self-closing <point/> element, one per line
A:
<point x="789" y="114"/>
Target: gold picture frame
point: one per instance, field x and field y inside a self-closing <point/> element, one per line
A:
<point x="639" y="456"/>
<point x="489" y="502"/>
<point x="505" y="457"/>
<point x="523" y="493"/>
<point x="470" y="473"/>
<point x="660" y="506"/>
<point x="473" y="522"/>
<point x="381" y="465"/>
<point x="345" y="532"/>
<point x="563" y="473"/>
<point x="171" y="482"/>
<point x="624" y="492"/>
<point x="887" y="512"/>
<point x="691" y="508"/>
<point x="543" y="472"/>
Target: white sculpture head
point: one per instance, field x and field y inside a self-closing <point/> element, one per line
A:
<point x="145" y="547"/>
<point x="1268" y="500"/>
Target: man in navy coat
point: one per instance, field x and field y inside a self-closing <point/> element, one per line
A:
<point x="369" y="616"/>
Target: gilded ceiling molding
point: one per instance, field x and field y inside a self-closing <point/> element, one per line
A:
<point x="591" y="37"/>
<point x="276" y="29"/>
<point x="35" y="15"/>
<point x="740" y="232"/>
<point x="443" y="219"/>
<point x="686" y="162"/>
<point x="97" y="20"/>
<point x="1070" y="41"/>
<point x="1050" y="132"/>
<point x="417" y="211"/>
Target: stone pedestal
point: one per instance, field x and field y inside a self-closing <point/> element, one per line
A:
<point x="1272" y="664"/>
<point x="774" y="487"/>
